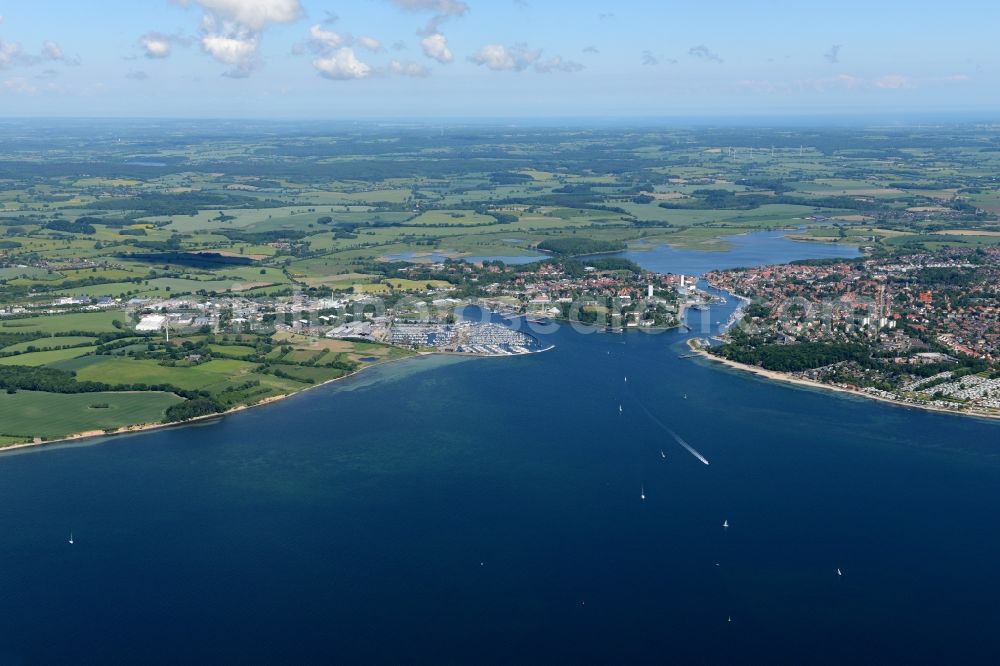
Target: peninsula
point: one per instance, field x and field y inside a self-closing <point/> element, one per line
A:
<point x="920" y="329"/>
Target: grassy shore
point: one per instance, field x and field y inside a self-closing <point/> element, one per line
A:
<point x="143" y="427"/>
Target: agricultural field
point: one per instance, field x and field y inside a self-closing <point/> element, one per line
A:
<point x="33" y="359"/>
<point x="225" y="231"/>
<point x="212" y="375"/>
<point x="363" y="353"/>
<point x="49" y="343"/>
<point x="25" y="415"/>
<point x="445" y="217"/>
<point x="90" y="322"/>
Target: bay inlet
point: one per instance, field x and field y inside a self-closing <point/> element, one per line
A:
<point x="424" y="509"/>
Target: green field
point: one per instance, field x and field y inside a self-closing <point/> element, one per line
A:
<point x="329" y="213"/>
<point x="452" y="217"/>
<point x="45" y="357"/>
<point x="90" y="322"/>
<point x="232" y="350"/>
<point x="50" y="343"/>
<point x="33" y="414"/>
<point x="212" y="375"/>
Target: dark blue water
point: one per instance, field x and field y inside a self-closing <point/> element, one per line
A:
<point x="449" y="510"/>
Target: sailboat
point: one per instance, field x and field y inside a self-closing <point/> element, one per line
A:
<point x="619" y="409"/>
<point x="71" y="538"/>
<point x="725" y="524"/>
<point x="626" y="379"/>
<point x="838" y="572"/>
<point x="662" y="454"/>
<point x="642" y="493"/>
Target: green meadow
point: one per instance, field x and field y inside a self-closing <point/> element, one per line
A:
<point x="28" y="414"/>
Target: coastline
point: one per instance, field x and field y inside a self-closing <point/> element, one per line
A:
<point x="566" y="321"/>
<point x="808" y="383"/>
<point x="146" y="427"/>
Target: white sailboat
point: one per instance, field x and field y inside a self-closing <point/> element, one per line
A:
<point x="619" y="409"/>
<point x="725" y="524"/>
<point x="662" y="454"/>
<point x="71" y="538"/>
<point x="642" y="493"/>
<point x="839" y="572"/>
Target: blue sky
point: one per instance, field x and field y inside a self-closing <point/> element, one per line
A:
<point x="502" y="58"/>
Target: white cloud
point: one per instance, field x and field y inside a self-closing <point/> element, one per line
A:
<point x="442" y="7"/>
<point x="11" y="55"/>
<point x="433" y="43"/>
<point x="254" y="14"/>
<point x="324" y="43"/>
<point x="557" y="64"/>
<point x="230" y="50"/>
<point x="502" y="58"/>
<point x="52" y="51"/>
<point x="327" y="38"/>
<point x="342" y="65"/>
<point x="232" y="45"/>
<point x="495" y="57"/>
<point x="436" y="46"/>
<point x="369" y="43"/>
<point x="407" y="68"/>
<point x="8" y="53"/>
<point x="231" y="29"/>
<point x="156" y="45"/>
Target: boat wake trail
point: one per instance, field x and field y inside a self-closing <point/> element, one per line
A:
<point x="690" y="449"/>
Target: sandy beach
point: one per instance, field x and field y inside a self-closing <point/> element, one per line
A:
<point x="807" y="383"/>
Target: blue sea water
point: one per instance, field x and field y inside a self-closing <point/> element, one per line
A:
<point x="452" y="510"/>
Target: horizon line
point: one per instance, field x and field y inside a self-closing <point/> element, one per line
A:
<point x="848" y="117"/>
